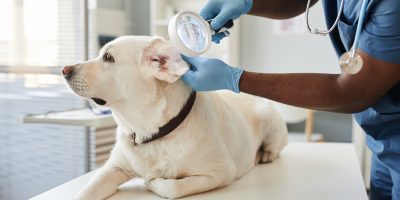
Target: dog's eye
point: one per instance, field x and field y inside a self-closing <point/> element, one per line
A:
<point x="108" y="58"/>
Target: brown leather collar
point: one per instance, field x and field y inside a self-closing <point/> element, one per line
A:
<point x="173" y="123"/>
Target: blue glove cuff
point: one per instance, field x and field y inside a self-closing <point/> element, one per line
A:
<point x="249" y="4"/>
<point x="235" y="73"/>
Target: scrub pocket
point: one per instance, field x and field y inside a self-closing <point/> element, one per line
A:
<point x="347" y="33"/>
<point x="386" y="117"/>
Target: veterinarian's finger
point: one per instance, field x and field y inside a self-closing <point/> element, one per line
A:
<point x="209" y="11"/>
<point x="221" y="19"/>
<point x="187" y="58"/>
<point x="189" y="76"/>
<point x="192" y="61"/>
<point x="218" y="37"/>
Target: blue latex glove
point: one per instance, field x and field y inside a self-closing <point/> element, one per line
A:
<point x="220" y="11"/>
<point x="216" y="38"/>
<point x="211" y="74"/>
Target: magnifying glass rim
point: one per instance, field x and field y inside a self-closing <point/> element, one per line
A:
<point x="175" y="39"/>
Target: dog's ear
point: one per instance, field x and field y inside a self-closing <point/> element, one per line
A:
<point x="165" y="61"/>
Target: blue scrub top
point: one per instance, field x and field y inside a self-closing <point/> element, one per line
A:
<point x="380" y="38"/>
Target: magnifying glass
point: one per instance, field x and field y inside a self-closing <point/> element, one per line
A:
<point x="191" y="34"/>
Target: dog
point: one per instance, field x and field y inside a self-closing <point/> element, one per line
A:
<point x="179" y="141"/>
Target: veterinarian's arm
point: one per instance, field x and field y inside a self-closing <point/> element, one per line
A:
<point x="329" y="92"/>
<point x="279" y="9"/>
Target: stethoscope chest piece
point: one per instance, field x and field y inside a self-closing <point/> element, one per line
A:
<point x="350" y="64"/>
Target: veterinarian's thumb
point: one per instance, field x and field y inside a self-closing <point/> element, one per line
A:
<point x="189" y="77"/>
<point x="190" y="60"/>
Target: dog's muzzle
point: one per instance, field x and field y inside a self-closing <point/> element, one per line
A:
<point x="68" y="73"/>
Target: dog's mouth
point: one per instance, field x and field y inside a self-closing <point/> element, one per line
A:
<point x="99" y="101"/>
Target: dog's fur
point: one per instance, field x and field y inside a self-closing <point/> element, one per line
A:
<point x="222" y="138"/>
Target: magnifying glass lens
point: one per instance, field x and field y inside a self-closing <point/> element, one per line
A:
<point x="192" y="33"/>
<point x="189" y="33"/>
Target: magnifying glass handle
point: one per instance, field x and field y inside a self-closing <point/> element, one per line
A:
<point x="225" y="27"/>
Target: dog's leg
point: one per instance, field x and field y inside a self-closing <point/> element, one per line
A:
<point x="104" y="183"/>
<point x="176" y="188"/>
<point x="274" y="136"/>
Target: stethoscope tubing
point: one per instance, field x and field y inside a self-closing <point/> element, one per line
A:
<point x="354" y="61"/>
<point x="361" y="20"/>
<point x="316" y="31"/>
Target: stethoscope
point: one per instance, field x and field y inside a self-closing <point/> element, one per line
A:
<point x="350" y="62"/>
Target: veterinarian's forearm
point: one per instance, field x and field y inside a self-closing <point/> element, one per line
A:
<point x="313" y="91"/>
<point x="279" y="9"/>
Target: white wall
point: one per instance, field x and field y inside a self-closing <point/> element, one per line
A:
<point x="123" y="17"/>
<point x="264" y="51"/>
<point x="138" y="17"/>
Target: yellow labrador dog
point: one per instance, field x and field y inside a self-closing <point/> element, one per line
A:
<point x="179" y="142"/>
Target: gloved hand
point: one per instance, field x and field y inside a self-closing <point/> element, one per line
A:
<point x="211" y="74"/>
<point x="220" y="11"/>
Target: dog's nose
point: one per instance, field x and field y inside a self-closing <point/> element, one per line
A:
<point x="68" y="70"/>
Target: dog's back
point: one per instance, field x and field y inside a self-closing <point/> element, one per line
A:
<point x="262" y="130"/>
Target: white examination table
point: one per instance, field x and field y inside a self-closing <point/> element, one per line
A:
<point x="309" y="171"/>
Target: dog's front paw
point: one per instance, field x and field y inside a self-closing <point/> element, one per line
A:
<point x="163" y="187"/>
<point x="267" y="156"/>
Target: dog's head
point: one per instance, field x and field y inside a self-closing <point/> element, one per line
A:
<point x="128" y="68"/>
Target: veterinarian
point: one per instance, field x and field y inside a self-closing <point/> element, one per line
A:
<point x="372" y="94"/>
